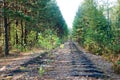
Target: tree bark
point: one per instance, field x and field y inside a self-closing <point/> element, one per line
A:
<point x="22" y="32"/>
<point x="16" y="32"/>
<point x="25" y="35"/>
<point x="6" y="32"/>
<point x="6" y="36"/>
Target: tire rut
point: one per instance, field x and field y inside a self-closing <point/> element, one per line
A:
<point x="74" y="65"/>
<point x="68" y="63"/>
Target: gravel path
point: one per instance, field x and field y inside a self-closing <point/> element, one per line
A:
<point x="68" y="63"/>
<point x="72" y="64"/>
<point x="101" y="63"/>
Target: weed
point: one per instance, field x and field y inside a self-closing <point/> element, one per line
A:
<point x="41" y="70"/>
<point x="23" y="68"/>
<point x="62" y="46"/>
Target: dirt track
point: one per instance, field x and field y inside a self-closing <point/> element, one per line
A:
<point x="68" y="63"/>
<point x="72" y="64"/>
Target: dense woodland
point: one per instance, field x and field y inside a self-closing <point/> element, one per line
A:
<point x="30" y="23"/>
<point x="97" y="28"/>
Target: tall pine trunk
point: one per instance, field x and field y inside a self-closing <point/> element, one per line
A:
<point x="25" y="35"/>
<point x="22" y="33"/>
<point x="6" y="32"/>
<point x="37" y="36"/>
<point x="16" y="33"/>
<point x="6" y="37"/>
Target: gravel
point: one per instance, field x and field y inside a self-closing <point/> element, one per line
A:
<point x="101" y="63"/>
<point x="68" y="63"/>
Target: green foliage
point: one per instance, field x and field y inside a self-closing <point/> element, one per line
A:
<point x="32" y="22"/>
<point x="22" y="68"/>
<point x="22" y="48"/>
<point x="91" y="29"/>
<point x="19" y="47"/>
<point x="31" y="37"/>
<point x="99" y="34"/>
<point x="49" y="39"/>
<point x="118" y="62"/>
<point x="41" y="70"/>
<point x="62" y="46"/>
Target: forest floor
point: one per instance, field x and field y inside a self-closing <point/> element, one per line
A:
<point x="70" y="62"/>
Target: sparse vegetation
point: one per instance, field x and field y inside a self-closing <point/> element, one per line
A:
<point x="41" y="70"/>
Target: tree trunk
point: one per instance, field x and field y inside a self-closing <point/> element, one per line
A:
<point x="6" y="36"/>
<point x="25" y="35"/>
<point x="37" y="36"/>
<point x="16" y="32"/>
<point x="22" y="33"/>
<point x="16" y="37"/>
<point x="6" y="32"/>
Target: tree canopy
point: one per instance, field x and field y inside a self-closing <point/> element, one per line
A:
<point x="26" y="21"/>
<point x="96" y="31"/>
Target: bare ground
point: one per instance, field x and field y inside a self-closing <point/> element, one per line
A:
<point x="68" y="63"/>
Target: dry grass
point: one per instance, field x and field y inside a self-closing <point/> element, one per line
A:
<point x="114" y="58"/>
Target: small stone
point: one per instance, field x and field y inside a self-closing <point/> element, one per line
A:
<point x="10" y="74"/>
<point x="9" y="77"/>
<point x="3" y="68"/>
<point x="4" y="75"/>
